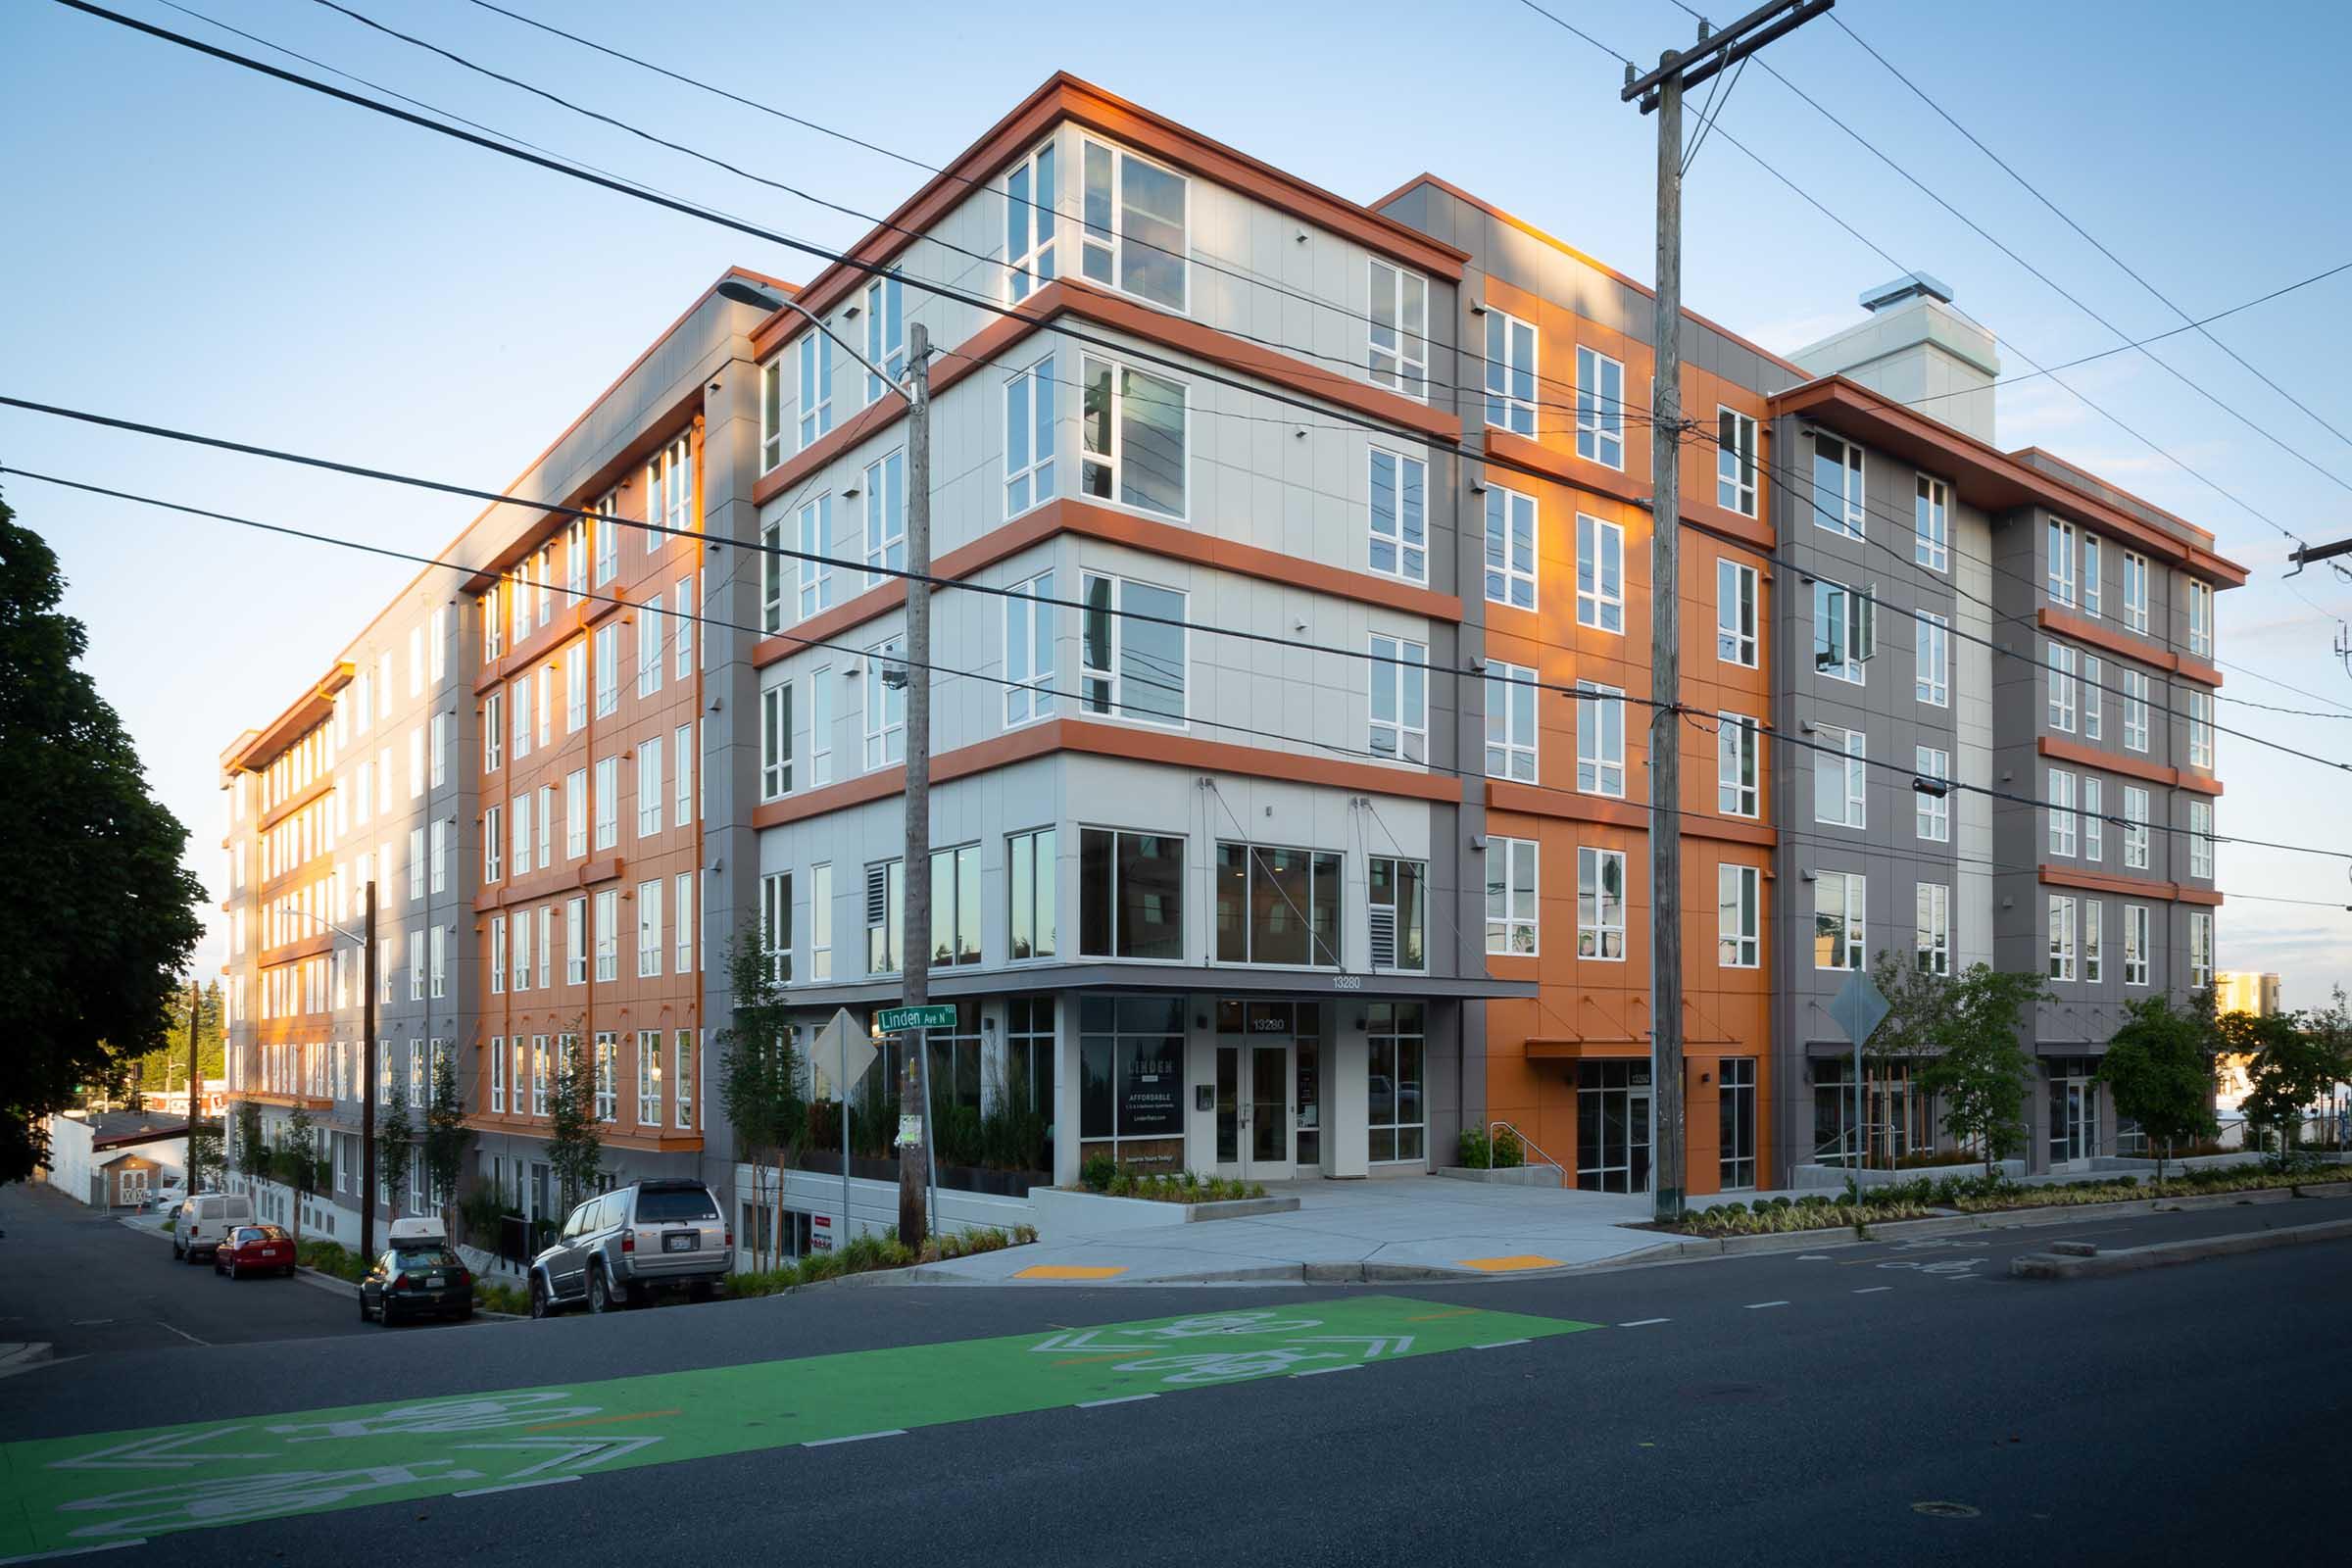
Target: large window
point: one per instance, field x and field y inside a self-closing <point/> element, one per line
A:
<point x="1134" y="233"/>
<point x="2200" y="948"/>
<point x="1734" y="613"/>
<point x="1031" y="191"/>
<point x="1510" y="548"/>
<point x="1934" y="809"/>
<point x="1030" y="871"/>
<point x="885" y="917"/>
<point x="1931" y="952"/>
<point x="1600" y="574"/>
<point x="1845" y="630"/>
<point x="1599" y="903"/>
<point x="1600" y="739"/>
<point x="1399" y="539"/>
<point x="1029" y="650"/>
<point x="1931" y="543"/>
<point x="1396" y="1101"/>
<point x="2135" y="828"/>
<point x="885" y="517"/>
<point x="1840" y="796"/>
<point x="1932" y="673"/>
<point x="2200" y="840"/>
<point x="1736" y="1110"/>
<point x="1134" y="427"/>
<point x="1837" y="499"/>
<point x="1737" y="772"/>
<point x="1734" y="462"/>
<point x="2060" y="562"/>
<point x="1511" y="722"/>
<point x="1399" y="675"/>
<point x="2200" y="618"/>
<point x="1599" y="408"/>
<point x="1277" y="905"/>
<point x="1029" y="435"/>
<point x="2062" y="694"/>
<point x="1130" y="1077"/>
<point x="956" y="906"/>
<point x="2062" y="938"/>
<point x="886" y="678"/>
<point x="1132" y="667"/>
<point x="816" y="386"/>
<point x="2200" y="729"/>
<point x="1738" y="917"/>
<point x="1510" y="374"/>
<point x="1130" y="895"/>
<point x="1511" y="896"/>
<point x="2061" y="812"/>
<point x="2136" y="710"/>
<point x="1400" y="324"/>
<point x="1396" y="906"/>
<point x="885" y="335"/>
<point x="2135" y="944"/>
<point x="1839" y="899"/>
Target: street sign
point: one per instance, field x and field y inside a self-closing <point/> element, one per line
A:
<point x="840" y="1056"/>
<point x="897" y="1020"/>
<point x="1858" y="1006"/>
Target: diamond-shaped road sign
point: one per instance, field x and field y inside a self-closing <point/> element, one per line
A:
<point x="1858" y="1006"/>
<point x="840" y="1054"/>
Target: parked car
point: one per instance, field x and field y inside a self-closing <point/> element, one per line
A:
<point x="418" y="1276"/>
<point x="204" y="1219"/>
<point x="254" y="1249"/>
<point x="165" y="1196"/>
<point x="617" y="1250"/>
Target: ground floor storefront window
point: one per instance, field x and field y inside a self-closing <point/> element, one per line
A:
<point x="1736" y="1109"/>
<point x="1397" y="1104"/>
<point x="2074" y="1108"/>
<point x="1612" y="1126"/>
<point x="1898" y="1114"/>
<point x="1131" y="1080"/>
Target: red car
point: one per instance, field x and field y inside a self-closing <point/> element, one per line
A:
<point x="255" y="1249"/>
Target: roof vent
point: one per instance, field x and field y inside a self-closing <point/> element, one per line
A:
<point x="1909" y="286"/>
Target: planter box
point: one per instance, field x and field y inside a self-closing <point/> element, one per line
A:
<point x="1538" y="1175"/>
<point x="956" y="1178"/>
<point x="1832" y="1178"/>
<point x="2133" y="1164"/>
<point x="1063" y="1212"/>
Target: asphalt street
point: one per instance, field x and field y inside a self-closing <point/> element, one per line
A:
<point x="1884" y="1402"/>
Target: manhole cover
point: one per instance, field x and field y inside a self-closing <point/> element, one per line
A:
<point x="1945" y="1510"/>
<point x="1726" y="1392"/>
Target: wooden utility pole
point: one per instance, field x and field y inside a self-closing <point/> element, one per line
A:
<point x="1662" y="90"/>
<point x="369" y="983"/>
<point x="914" y="1080"/>
<point x="195" y="1014"/>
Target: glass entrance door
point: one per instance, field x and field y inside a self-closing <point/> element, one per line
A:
<point x="1612" y="1126"/>
<point x="1254" y="1111"/>
<point x="2074" y="1118"/>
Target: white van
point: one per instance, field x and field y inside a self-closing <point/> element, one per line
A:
<point x="204" y="1219"/>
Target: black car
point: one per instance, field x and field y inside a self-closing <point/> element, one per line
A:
<point x="416" y="1281"/>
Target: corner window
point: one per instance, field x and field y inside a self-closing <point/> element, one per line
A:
<point x="1031" y="192"/>
<point x="1030" y="879"/>
<point x="1399" y="675"/>
<point x="1029" y="650"/>
<point x="1511" y="896"/>
<point x="956" y="906"/>
<point x="1600" y="903"/>
<point x="1399" y="322"/>
<point x="1134" y="449"/>
<point x="1734" y="462"/>
<point x="1400" y="523"/>
<point x="1600" y="574"/>
<point x="1134" y="234"/>
<point x="1130" y="895"/>
<point x="1510" y="374"/>
<point x="1837" y="486"/>
<point x="1511" y="722"/>
<point x="1277" y="905"/>
<point x="1510" y="548"/>
<point x="1029" y="438"/>
<point x="1600" y="409"/>
<point x="1132" y="667"/>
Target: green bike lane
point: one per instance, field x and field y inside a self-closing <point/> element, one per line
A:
<point x="102" y="1488"/>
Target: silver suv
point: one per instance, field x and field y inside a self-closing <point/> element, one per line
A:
<point x="617" y="1249"/>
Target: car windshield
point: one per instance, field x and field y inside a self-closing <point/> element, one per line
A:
<point x="656" y="1204"/>
<point x="425" y="1257"/>
<point x="260" y="1233"/>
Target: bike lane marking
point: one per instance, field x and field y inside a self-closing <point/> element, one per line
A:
<point x="98" y="1488"/>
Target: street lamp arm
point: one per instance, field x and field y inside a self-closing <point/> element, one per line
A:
<point x="743" y="293"/>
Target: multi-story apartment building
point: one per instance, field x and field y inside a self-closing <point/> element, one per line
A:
<point x="511" y="751"/>
<point x="2027" y="631"/>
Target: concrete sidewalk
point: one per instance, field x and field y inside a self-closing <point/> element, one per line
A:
<point x="1400" y="1227"/>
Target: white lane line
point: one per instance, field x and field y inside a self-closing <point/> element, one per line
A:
<point x="1124" y="1398"/>
<point x="1872" y="1290"/>
<point x="1758" y="1306"/>
<point x="72" y="1552"/>
<point x="827" y="1443"/>
<point x="1498" y="1345"/>
<point x="1319" y="1371"/>
<point x="1645" y="1322"/>
<point x="185" y="1334"/>
<point x="517" y="1486"/>
<point x="1812" y="1257"/>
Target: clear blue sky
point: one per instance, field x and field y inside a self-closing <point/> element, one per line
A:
<point x="193" y="246"/>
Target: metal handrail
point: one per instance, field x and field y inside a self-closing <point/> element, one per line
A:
<point x="1525" y="1142"/>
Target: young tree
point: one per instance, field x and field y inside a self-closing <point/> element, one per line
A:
<point x="2160" y="1069"/>
<point x="92" y="962"/>
<point x="575" y="1150"/>
<point x="395" y="1145"/>
<point x="1979" y="1070"/>
<point x="446" y="1135"/>
<point x="760" y="1075"/>
<point x="2297" y="1058"/>
<point x="1919" y="1006"/>
<point x="205" y="1162"/>
<point x="298" y="1161"/>
<point x="252" y="1156"/>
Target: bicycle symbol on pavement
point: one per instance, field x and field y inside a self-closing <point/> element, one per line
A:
<point x="1157" y="1348"/>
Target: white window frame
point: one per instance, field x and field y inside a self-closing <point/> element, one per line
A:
<point x="1851" y="618"/>
<point x="1032" y="210"/>
<point x="1512" y="529"/>
<point x="2059" y="566"/>
<point x="775" y="740"/>
<point x="1112" y="240"/>
<point x="771" y="412"/>
<point x="2064" y="697"/>
<point x="1401" y="535"/>
<point x="1848" y="522"/>
<point x="1931" y="674"/>
<point x="1103" y="683"/>
<point x="1600" y="739"/>
<point x="2062" y="951"/>
<point x="1397" y="355"/>
<point x="1932" y="939"/>
<point x="1931" y="524"/>
<point x="2200" y="948"/>
<point x="2136" y="576"/>
<point x="885" y="335"/>
<point x="813" y="400"/>
<point x="2059" y="811"/>
<point x="884" y="513"/>
<point x="2135" y="944"/>
<point x="2086" y="596"/>
<point x="1113" y="462"/>
<point x="1846" y="751"/>
<point x="2200" y="840"/>
<point x="885" y="704"/>
<point x="1738" y="917"/>
<point x="1029" y="467"/>
<point x="1737" y="606"/>
<point x="1514" y="912"/>
<point x="2200" y="729"/>
<point x="1735" y="460"/>
<point x="1739" y="765"/>
<point x="652" y="803"/>
<point x="1599" y="426"/>
<point x="1510" y="385"/>
<point x="1397" y="683"/>
<point x="2135" y="828"/>
<point x="1512" y="740"/>
<point x="2136" y="710"/>
<point x="2094" y="821"/>
<point x="1593" y="908"/>
<point x="1853" y="914"/>
<point x="649" y="927"/>
<point x="1029" y="623"/>
<point x="1932" y="818"/>
<point x="2200" y="617"/>
<point x="1600" y="592"/>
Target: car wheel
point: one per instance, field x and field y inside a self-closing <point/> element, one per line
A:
<point x="541" y="1306"/>
<point x="363" y="1307"/>
<point x="383" y="1312"/>
<point x="178" y="1252"/>
<point x="466" y="1314"/>
<point x="600" y="1295"/>
<point x="701" y="1291"/>
<point x="290" y="1271"/>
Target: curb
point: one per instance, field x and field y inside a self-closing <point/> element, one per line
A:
<point x="2131" y="1261"/>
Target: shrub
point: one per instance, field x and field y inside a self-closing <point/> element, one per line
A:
<point x="493" y="1296"/>
<point x="330" y="1257"/>
<point x="1472" y="1150"/>
<point x="1508" y="1153"/>
<point x="1097" y="1174"/>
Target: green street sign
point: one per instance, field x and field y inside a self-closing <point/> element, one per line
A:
<point x="897" y="1020"/>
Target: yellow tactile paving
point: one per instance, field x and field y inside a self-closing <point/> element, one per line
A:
<point x="1071" y="1271"/>
<point x="1510" y="1265"/>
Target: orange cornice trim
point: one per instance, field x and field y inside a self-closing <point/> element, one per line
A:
<point x="2082" y="756"/>
<point x="1061" y="97"/>
<point x="2083" y="629"/>
<point x="311" y="708"/>
<point x="1508" y="795"/>
<point x="1581" y="473"/>
<point x="1087" y="520"/>
<point x="2129" y="887"/>
<point x="294" y="803"/>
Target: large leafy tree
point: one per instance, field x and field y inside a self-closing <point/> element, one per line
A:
<point x="168" y="1067"/>
<point x="2297" y="1058"/>
<point x="2159" y="1066"/>
<point x="101" y="917"/>
<point x="1979" y="1070"/>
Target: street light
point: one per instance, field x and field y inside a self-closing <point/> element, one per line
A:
<point x="914" y="1088"/>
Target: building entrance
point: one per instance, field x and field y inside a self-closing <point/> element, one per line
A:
<point x="1268" y="1089"/>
